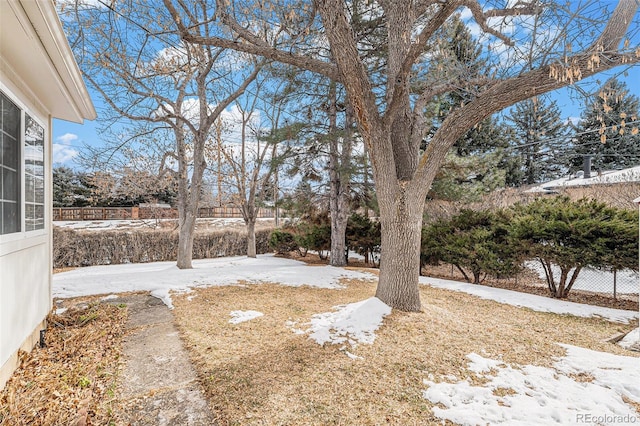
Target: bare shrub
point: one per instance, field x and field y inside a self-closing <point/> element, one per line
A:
<point x="86" y="248"/>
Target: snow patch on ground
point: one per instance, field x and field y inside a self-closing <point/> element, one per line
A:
<point x="353" y="323"/>
<point x="532" y="301"/>
<point x="110" y="297"/>
<point x="161" y="278"/>
<point x="241" y="316"/>
<point x="533" y="395"/>
<point x="632" y="338"/>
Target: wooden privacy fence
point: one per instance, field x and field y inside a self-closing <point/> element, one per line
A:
<point x="95" y="213"/>
<point x="126" y="213"/>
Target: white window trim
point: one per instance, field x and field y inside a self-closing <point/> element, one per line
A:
<point x="25" y="239"/>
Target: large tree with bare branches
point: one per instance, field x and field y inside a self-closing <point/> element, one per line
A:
<point x="158" y="87"/>
<point x="535" y="47"/>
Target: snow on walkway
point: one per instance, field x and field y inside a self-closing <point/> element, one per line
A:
<point x="532" y="301"/>
<point x="162" y="277"/>
<point x="533" y="395"/>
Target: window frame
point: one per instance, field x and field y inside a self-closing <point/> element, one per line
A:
<point x="23" y="233"/>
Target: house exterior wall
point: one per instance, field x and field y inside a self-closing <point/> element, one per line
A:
<point x="25" y="256"/>
<point x="39" y="75"/>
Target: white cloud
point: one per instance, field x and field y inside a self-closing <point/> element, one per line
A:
<point x="67" y="138"/>
<point x="573" y="120"/>
<point x="63" y="153"/>
<point x="72" y="4"/>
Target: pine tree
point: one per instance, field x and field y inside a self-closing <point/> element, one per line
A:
<point x="474" y="163"/>
<point x="565" y="236"/>
<point x="540" y="135"/>
<point x="608" y="129"/>
<point x="69" y="188"/>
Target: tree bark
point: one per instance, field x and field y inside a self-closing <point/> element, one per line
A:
<point x="401" y="222"/>
<point x="185" y="238"/>
<point x="338" y="185"/>
<point x="560" y="290"/>
<point x="572" y="281"/>
<point x="186" y="218"/>
<point x="251" y="238"/>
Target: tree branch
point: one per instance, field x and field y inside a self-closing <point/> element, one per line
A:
<point x="506" y="93"/>
<point x="246" y="45"/>
<point x="481" y="16"/>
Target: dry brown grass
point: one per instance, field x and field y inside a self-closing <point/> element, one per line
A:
<point x="72" y="380"/>
<point x="260" y="373"/>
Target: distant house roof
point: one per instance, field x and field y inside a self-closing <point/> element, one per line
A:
<point x="607" y="177"/>
<point x="34" y="52"/>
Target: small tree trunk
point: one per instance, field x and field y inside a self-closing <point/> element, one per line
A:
<point x="464" y="274"/>
<point x="549" y="274"/>
<point x="560" y="291"/>
<point x="572" y="280"/>
<point x="338" y="186"/>
<point x="187" y="226"/>
<point x="338" y="244"/>
<point x="251" y="238"/>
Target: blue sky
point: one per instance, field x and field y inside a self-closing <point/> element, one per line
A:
<point x="71" y="138"/>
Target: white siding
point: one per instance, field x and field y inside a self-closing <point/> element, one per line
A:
<point x="25" y="296"/>
<point x="25" y="257"/>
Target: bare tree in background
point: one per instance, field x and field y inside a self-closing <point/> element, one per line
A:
<point x="248" y="158"/>
<point x="159" y="84"/>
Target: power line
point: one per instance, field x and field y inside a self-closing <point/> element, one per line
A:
<point x="564" y="138"/>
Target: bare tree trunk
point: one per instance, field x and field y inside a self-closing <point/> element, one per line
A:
<point x="462" y="271"/>
<point x="186" y="216"/>
<point x="560" y="291"/>
<point x="338" y="186"/>
<point x="339" y="219"/>
<point x="401" y="221"/>
<point x="251" y="238"/>
<point x="185" y="237"/>
<point x="572" y="280"/>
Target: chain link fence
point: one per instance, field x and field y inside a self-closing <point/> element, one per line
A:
<point x="618" y="285"/>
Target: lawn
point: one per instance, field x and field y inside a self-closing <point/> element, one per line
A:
<point x="251" y="327"/>
<point x="262" y="372"/>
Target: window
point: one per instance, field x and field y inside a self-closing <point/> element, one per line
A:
<point x="33" y="174"/>
<point x="20" y="133"/>
<point x="10" y="165"/>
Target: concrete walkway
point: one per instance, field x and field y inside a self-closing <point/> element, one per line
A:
<point x="159" y="385"/>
